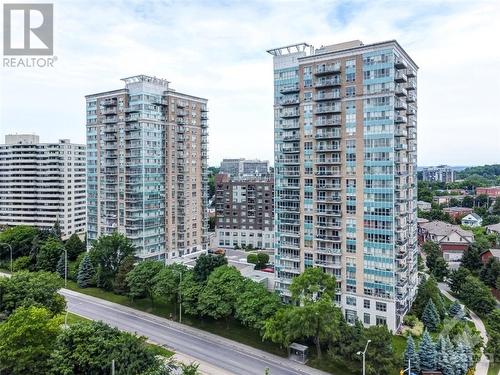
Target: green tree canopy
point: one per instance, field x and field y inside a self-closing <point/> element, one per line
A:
<point x="205" y="264"/>
<point x="27" y="338"/>
<point x="74" y="246"/>
<point x="25" y="289"/>
<point x="312" y="284"/>
<point x="140" y="279"/>
<point x="427" y="353"/>
<point x="411" y="355"/>
<point x="477" y="296"/>
<point x="49" y="254"/>
<point x="457" y="278"/>
<point x="190" y="291"/>
<point x="167" y="281"/>
<point x="256" y="304"/>
<point x="21" y="238"/>
<point x="490" y="272"/>
<point x="428" y="289"/>
<point x="120" y="285"/>
<point x="430" y="316"/>
<point x="380" y="355"/>
<point x="218" y="297"/>
<point x="107" y="254"/>
<point x="89" y="348"/>
<point x="86" y="273"/>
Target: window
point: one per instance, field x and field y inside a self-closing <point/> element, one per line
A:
<point x="350" y="316"/>
<point x="380" y="306"/>
<point x="350" y="300"/>
<point x="350" y="91"/>
<point x="380" y="320"/>
<point x="349" y="64"/>
<point x="366" y="318"/>
<point x="366" y="303"/>
<point x="350" y="77"/>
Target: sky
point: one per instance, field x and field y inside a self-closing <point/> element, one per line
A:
<point x="217" y="50"/>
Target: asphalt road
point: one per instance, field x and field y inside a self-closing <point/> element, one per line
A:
<point x="225" y="354"/>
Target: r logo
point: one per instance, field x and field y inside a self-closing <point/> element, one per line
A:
<point x="28" y="29"/>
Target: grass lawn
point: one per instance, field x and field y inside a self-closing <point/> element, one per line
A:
<point x="494" y="368"/>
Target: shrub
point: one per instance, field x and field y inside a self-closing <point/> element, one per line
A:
<point x="252" y="258"/>
<point x="21" y="263"/>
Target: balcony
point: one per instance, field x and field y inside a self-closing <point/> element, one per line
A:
<point x="328" y="225"/>
<point x="333" y="121"/>
<point x="289" y="89"/>
<point x="289" y="113"/>
<point x="291" y="173"/>
<point x="108" y="102"/>
<point x="400" y="76"/>
<point x="411" y="85"/>
<point x="181" y="113"/>
<point x="289" y="101"/>
<point x="399" y="90"/>
<point x="327" y="147"/>
<point x="328" y="161"/>
<point x="400" y="119"/>
<point x="328" y="186"/>
<point x="289" y="161"/>
<point x="327" y="69"/>
<point x="321" y="109"/>
<point x="328" y="172"/>
<point x="109" y="111"/>
<point x="327" y="264"/>
<point x="327" y="134"/>
<point x="290" y="137"/>
<point x="399" y="63"/>
<point x="290" y="124"/>
<point x="110" y="120"/>
<point x="327" y="96"/>
<point x="288" y="149"/>
<point x="327" y="82"/>
<point x="410" y="72"/>
<point x="400" y="132"/>
<point x="400" y="146"/>
<point x="400" y="105"/>
<point x="411" y="98"/>
<point x="411" y="110"/>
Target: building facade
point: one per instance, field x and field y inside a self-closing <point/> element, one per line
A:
<point x="42" y="183"/>
<point x="345" y="174"/>
<point x="244" y="211"/>
<point x="243" y="167"/>
<point x="441" y="173"/>
<point x="492" y="192"/>
<point x="147" y="167"/>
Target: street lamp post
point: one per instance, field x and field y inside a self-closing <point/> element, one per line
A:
<point x="65" y="268"/>
<point x="10" y="247"/>
<point x="180" y="297"/>
<point x="363" y="353"/>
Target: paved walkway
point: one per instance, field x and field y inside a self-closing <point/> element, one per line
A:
<point x="482" y="365"/>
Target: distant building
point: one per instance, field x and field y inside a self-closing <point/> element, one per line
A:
<point x="441" y="173"/>
<point x="446" y="199"/>
<point x="452" y="239"/>
<point x="42" y="183"/>
<point x="472" y="220"/>
<point x="243" y="167"/>
<point x="244" y="211"/>
<point x="487" y="254"/>
<point x="457" y="212"/>
<point x="492" y="192"/>
<point x="494" y="228"/>
<point x="424" y="206"/>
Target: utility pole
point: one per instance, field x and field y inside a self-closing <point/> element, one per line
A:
<point x="113" y="367"/>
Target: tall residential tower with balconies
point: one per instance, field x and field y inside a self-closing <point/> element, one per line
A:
<point x="147" y="167"/>
<point x="345" y="173"/>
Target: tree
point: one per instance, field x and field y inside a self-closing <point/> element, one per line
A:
<point x="218" y="297"/>
<point x="21" y="238"/>
<point x="74" y="246"/>
<point x="477" y="296"/>
<point x="62" y="265"/>
<point x="107" y="254"/>
<point x="205" y="264"/>
<point x="167" y="281"/>
<point x="494" y="320"/>
<point x="256" y="304"/>
<point x="495" y="209"/>
<point x="140" y="279"/>
<point x="262" y="260"/>
<point x="428" y="289"/>
<point x="39" y="289"/>
<point x="312" y="284"/>
<point x="444" y="358"/>
<point x="380" y="355"/>
<point x="430" y="316"/>
<point x="457" y="279"/>
<point x="86" y="273"/>
<point x="190" y="291"/>
<point x="89" y="348"/>
<point x="252" y="258"/>
<point x="120" y="284"/>
<point x="472" y="259"/>
<point x="350" y="340"/>
<point x="455" y="310"/>
<point x="48" y="256"/>
<point x="490" y="272"/>
<point x="22" y="263"/>
<point x="411" y="355"/>
<point x="318" y="321"/>
<point x="26" y="340"/>
<point x="440" y="270"/>
<point x="427" y="353"/>
<point x="56" y="230"/>
<point x="468" y="201"/>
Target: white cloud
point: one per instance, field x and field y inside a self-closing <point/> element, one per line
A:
<point x="217" y="50"/>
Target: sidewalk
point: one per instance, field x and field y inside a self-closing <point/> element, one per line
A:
<point x="483" y="364"/>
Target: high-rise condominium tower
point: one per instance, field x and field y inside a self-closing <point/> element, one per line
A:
<point x="42" y="183"/>
<point x="147" y="167"/>
<point x="345" y="173"/>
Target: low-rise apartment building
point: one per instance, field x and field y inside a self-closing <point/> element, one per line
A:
<point x="42" y="183"/>
<point x="452" y="239"/>
<point x="492" y="192"/>
<point x="244" y="211"/>
<point x="244" y="167"/>
<point x="441" y="173"/>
